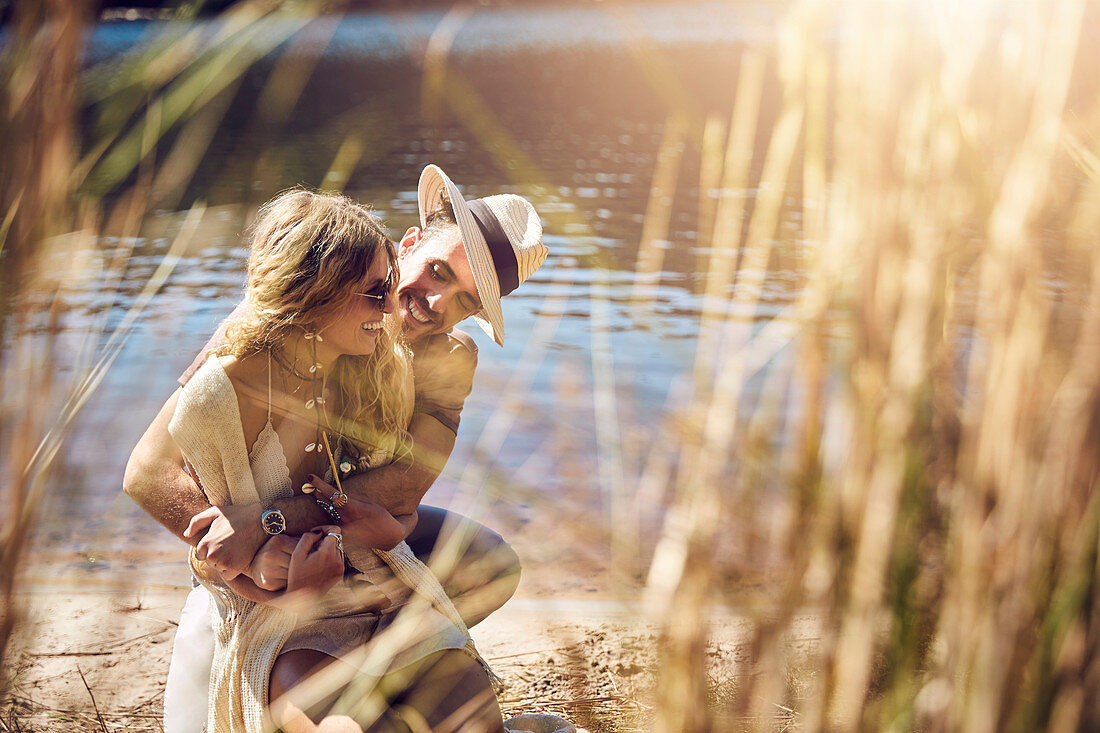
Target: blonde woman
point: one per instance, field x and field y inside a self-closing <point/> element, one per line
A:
<point x="316" y="382"/>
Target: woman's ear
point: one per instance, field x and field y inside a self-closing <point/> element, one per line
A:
<point x="410" y="240"/>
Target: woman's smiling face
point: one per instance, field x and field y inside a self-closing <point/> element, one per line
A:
<point x="355" y="328"/>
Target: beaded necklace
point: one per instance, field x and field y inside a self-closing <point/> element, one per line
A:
<point x="316" y="379"/>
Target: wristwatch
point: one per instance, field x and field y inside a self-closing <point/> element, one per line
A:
<point x="273" y="521"/>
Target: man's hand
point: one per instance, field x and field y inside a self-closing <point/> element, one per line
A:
<point x="271" y="565"/>
<point x="233" y="537"/>
<point x="364" y="523"/>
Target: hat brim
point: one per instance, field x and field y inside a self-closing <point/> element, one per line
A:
<point x="433" y="182"/>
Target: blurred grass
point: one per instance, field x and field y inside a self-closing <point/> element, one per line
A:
<point x="921" y="482"/>
<point x="932" y="504"/>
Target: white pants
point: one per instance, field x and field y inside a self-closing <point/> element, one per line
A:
<point x="186" y="691"/>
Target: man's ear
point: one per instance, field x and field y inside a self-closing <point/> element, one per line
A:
<point x="410" y="240"/>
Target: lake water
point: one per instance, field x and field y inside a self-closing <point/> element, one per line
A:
<point x="567" y="106"/>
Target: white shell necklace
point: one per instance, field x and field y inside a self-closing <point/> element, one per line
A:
<point x="316" y="379"/>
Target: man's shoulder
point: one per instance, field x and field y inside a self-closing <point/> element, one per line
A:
<point x="241" y="311"/>
<point x="455" y="349"/>
<point x="453" y="341"/>
<point x="443" y="374"/>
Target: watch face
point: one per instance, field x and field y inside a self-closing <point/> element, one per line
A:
<point x="273" y="521"/>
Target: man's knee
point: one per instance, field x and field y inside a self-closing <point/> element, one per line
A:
<point x="491" y="564"/>
<point x="490" y="549"/>
<point x="485" y="580"/>
<point x="293" y="667"/>
<point x="478" y="569"/>
<point x="442" y="534"/>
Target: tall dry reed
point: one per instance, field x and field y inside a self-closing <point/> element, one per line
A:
<point x="932" y="500"/>
<point x="61" y="191"/>
<point x="38" y="94"/>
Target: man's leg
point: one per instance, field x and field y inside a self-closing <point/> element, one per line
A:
<point x="477" y="568"/>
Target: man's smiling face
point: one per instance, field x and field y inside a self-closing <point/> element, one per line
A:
<point x="437" y="288"/>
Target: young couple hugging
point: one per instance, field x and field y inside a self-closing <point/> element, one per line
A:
<point x="294" y="457"/>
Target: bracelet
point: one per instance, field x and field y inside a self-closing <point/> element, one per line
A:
<point x="329" y="509"/>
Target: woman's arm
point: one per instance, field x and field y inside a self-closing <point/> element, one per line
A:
<point x="155" y="478"/>
<point x="315" y="565"/>
<point x="365" y="523"/>
<point x="271" y="566"/>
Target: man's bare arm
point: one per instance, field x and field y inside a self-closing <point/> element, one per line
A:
<point x="397" y="487"/>
<point x="155" y="478"/>
<point x="400" y="486"/>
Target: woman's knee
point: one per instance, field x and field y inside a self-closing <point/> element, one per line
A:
<point x="451" y="692"/>
<point x="448" y="691"/>
<point x="292" y="667"/>
<point x="295" y="708"/>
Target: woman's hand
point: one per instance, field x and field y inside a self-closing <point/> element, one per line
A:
<point x="364" y="523"/>
<point x="316" y="563"/>
<point x="270" y="566"/>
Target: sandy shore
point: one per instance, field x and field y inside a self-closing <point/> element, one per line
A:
<point x="573" y="641"/>
<point x="89" y="660"/>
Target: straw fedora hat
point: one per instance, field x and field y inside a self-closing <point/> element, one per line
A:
<point x="502" y="236"/>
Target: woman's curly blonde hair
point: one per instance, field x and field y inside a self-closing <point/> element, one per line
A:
<point x="309" y="253"/>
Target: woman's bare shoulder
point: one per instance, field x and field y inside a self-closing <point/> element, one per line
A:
<point x="250" y="369"/>
<point x="248" y="374"/>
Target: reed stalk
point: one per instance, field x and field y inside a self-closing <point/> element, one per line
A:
<point x="38" y="94"/>
<point x="939" y="537"/>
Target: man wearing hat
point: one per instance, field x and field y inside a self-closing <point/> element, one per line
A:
<point x="465" y="256"/>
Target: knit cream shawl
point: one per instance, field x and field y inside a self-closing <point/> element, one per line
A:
<point x="206" y="426"/>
